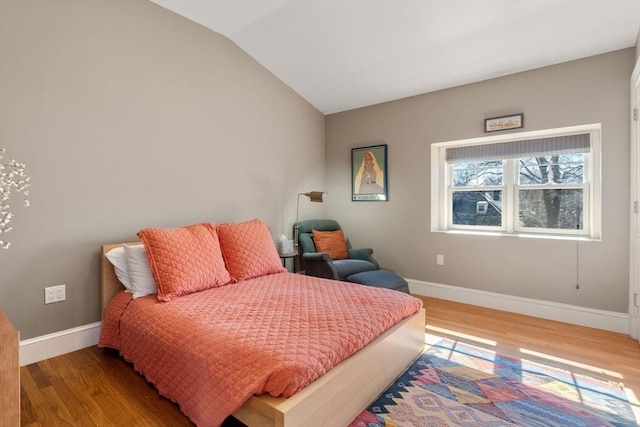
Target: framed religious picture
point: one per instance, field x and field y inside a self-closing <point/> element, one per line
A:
<point x="369" y="182"/>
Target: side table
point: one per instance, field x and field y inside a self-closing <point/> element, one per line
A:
<point x="284" y="257"/>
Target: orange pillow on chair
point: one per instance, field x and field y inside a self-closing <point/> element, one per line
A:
<point x="331" y="242"/>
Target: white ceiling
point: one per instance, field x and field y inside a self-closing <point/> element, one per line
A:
<point x="344" y="54"/>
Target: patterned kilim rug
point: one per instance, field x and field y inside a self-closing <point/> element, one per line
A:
<point x="458" y="384"/>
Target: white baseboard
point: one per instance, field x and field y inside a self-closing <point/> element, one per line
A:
<point x="593" y="318"/>
<point x="47" y="346"/>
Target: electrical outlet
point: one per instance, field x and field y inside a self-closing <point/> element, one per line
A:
<point x="55" y="294"/>
<point x="440" y="259"/>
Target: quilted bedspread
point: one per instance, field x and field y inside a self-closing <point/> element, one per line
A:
<point x="212" y="350"/>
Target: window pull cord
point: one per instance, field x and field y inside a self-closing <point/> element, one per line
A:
<point x="578" y="256"/>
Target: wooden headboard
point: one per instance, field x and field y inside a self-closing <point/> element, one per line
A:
<point x="109" y="283"/>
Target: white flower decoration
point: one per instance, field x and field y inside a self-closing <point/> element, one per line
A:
<point x="12" y="178"/>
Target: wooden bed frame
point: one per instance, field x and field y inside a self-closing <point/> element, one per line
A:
<point x="334" y="399"/>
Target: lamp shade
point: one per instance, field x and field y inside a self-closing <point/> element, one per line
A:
<point x="315" y="196"/>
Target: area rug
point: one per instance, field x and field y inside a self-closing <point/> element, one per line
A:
<point x="458" y="384"/>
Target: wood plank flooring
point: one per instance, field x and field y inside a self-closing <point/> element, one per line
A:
<point x="96" y="387"/>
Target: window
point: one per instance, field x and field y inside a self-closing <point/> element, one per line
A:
<point x="542" y="183"/>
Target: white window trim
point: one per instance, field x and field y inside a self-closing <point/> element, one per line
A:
<point x="439" y="184"/>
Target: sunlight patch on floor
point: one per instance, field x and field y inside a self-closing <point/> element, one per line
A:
<point x="615" y="376"/>
<point x="571" y="388"/>
<point x="448" y="332"/>
<point x="568" y="362"/>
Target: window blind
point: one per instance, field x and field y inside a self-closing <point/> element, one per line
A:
<point x="566" y="144"/>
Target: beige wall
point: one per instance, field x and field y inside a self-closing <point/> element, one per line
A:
<point x="128" y="116"/>
<point x="592" y="90"/>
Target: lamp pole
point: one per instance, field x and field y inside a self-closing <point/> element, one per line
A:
<point x="314" y="196"/>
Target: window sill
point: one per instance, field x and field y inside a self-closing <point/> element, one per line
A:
<point x="520" y="235"/>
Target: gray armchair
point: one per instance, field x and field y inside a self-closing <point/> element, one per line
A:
<point x="320" y="264"/>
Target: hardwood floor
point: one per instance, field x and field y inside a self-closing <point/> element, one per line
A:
<point x="601" y="354"/>
<point x="96" y="387"/>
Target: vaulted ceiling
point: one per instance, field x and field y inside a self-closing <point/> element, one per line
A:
<point x="345" y="54"/>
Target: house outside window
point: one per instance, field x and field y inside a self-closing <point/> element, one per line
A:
<point x="543" y="183"/>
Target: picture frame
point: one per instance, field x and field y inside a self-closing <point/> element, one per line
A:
<point x="369" y="177"/>
<point x="513" y="121"/>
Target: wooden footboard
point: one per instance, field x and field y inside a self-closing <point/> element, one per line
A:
<point x="337" y="397"/>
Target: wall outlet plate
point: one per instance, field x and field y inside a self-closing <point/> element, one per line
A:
<point x="55" y="294"/>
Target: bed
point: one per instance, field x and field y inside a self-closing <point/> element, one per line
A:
<point x="322" y="402"/>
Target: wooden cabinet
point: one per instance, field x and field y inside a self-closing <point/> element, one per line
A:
<point x="9" y="374"/>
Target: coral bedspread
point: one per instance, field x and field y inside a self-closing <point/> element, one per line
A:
<point x="212" y="350"/>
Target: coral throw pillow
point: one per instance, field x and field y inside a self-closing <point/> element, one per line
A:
<point x="184" y="260"/>
<point x="249" y="250"/>
<point x="331" y="242"/>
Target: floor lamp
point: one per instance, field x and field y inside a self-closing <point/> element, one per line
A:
<point x="314" y="196"/>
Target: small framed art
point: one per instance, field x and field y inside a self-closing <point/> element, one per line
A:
<point x="514" y="121"/>
<point x="369" y="182"/>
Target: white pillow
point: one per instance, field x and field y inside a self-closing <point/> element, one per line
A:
<point x="140" y="275"/>
<point x="117" y="257"/>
